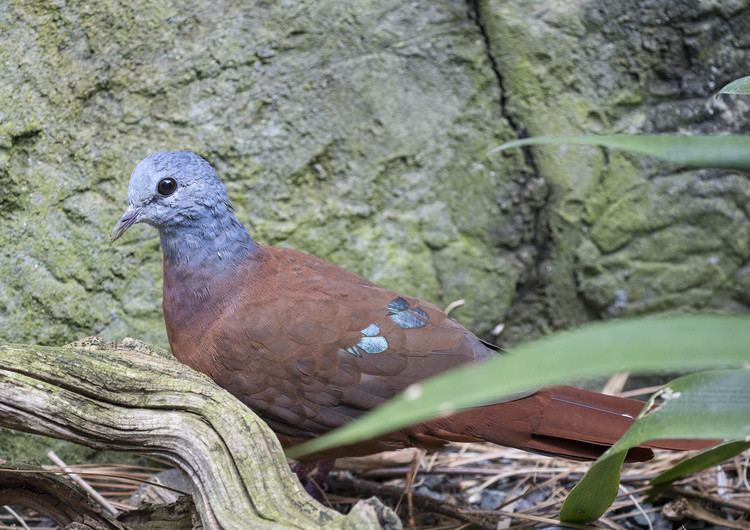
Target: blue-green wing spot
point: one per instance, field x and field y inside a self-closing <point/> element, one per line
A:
<point x="406" y="317"/>
<point x="373" y="344"/>
<point x="371" y="331"/>
<point x="397" y="305"/>
<point x="354" y="350"/>
<point x="370" y="342"/>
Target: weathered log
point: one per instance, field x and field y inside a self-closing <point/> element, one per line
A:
<point x="63" y="501"/>
<point x="127" y="397"/>
<point x="178" y="515"/>
<point x="54" y="497"/>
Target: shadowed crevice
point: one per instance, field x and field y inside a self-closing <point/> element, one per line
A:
<point x="531" y="282"/>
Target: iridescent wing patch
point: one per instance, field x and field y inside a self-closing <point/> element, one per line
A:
<point x="405" y="316"/>
<point x="371" y="342"/>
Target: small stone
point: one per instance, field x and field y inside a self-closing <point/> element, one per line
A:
<point x="491" y="500"/>
<point x="531" y="500"/>
<point x="427" y="492"/>
<point x="433" y="481"/>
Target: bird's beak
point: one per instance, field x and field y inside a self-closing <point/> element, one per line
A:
<point x="128" y="219"/>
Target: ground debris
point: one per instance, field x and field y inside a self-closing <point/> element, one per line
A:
<point x="477" y="486"/>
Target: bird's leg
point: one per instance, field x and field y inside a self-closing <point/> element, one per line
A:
<point x="313" y="476"/>
<point x="322" y="470"/>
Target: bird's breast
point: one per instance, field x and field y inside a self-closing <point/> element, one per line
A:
<point x="202" y="306"/>
<point x="191" y="308"/>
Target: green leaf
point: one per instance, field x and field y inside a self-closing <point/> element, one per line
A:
<point x="719" y="151"/>
<point x="643" y="345"/>
<point x="701" y="461"/>
<point x="707" y="405"/>
<point x="738" y="86"/>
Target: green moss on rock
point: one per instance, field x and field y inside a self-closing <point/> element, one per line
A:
<point x="333" y="146"/>
<point x="622" y="235"/>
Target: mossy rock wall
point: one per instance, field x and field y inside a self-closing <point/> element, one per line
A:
<point x="360" y="131"/>
<point x="622" y="235"/>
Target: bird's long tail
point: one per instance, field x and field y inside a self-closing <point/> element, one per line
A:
<point x="561" y="421"/>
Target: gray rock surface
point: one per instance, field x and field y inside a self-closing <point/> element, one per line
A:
<point x="621" y="235"/>
<point x="360" y="131"/>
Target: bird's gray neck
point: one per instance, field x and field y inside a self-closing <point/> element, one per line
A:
<point x="204" y="249"/>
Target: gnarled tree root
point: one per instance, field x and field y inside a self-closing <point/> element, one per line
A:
<point x="128" y="397"/>
<point x="54" y="497"/>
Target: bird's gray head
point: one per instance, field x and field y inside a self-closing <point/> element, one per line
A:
<point x="180" y="194"/>
<point x="170" y="190"/>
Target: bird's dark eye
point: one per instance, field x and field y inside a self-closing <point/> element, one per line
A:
<point x="166" y="186"/>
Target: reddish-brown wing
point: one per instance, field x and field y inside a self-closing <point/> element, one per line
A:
<point x="310" y="346"/>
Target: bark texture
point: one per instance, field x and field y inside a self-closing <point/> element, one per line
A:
<point x="53" y="497"/>
<point x="127" y="398"/>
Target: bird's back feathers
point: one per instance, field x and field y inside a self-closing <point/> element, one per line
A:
<point x="310" y="347"/>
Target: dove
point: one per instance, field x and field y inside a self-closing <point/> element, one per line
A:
<point x="310" y="347"/>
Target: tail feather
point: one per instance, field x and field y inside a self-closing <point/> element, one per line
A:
<point x="560" y="421"/>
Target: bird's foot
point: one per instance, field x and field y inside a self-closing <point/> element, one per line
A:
<point x="313" y="476"/>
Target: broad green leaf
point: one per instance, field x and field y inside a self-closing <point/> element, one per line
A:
<point x="738" y="86"/>
<point x="720" y="151"/>
<point x="701" y="461"/>
<point x="706" y="405"/>
<point x="643" y="345"/>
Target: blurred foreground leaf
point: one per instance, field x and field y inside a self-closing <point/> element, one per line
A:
<point x="643" y="345"/>
<point x="701" y="461"/>
<point x="714" y="404"/>
<point x="729" y="151"/>
<point x="738" y="86"/>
